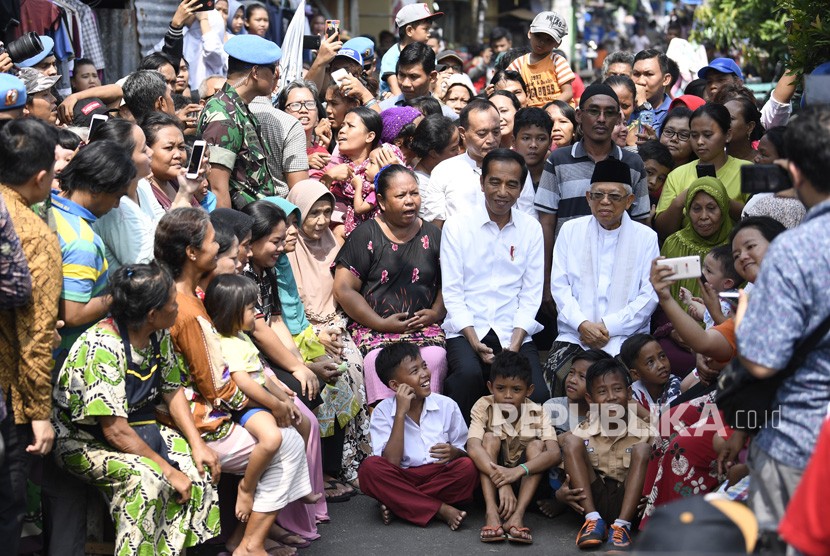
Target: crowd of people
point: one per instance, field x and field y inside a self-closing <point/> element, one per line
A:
<point x="439" y="280"/>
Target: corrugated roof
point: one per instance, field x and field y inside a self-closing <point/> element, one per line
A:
<point x="153" y="17"/>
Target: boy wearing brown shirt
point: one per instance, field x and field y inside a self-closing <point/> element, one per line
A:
<point x="607" y="456"/>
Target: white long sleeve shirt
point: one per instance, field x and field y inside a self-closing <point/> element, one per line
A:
<point x="491" y="278"/>
<point x="566" y="282"/>
<point x="454" y="187"/>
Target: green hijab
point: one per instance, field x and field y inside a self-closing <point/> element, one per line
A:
<point x="687" y="242"/>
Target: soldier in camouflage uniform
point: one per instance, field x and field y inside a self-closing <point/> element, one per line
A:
<point x="238" y="154"/>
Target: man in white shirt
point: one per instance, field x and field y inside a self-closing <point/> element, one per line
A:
<point x="455" y="184"/>
<point x="491" y="272"/>
<point x="600" y="272"/>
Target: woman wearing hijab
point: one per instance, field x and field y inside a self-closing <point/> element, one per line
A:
<point x="707" y="209"/>
<point x="344" y="400"/>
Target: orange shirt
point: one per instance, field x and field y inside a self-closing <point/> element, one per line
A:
<point x="544" y="79"/>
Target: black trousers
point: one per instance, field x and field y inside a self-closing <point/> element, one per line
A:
<point x="14" y="472"/>
<point x="467" y="376"/>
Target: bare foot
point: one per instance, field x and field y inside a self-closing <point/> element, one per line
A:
<point x="452" y="516"/>
<point x="271" y="547"/>
<point x="244" y="502"/>
<point x="386" y="514"/>
<point x="550" y="507"/>
<point x="311" y="498"/>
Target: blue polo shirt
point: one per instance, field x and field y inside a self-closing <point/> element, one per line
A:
<point x="84" y="260"/>
<point x="660" y="113"/>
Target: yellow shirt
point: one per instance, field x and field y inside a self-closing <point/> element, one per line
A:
<point x="544" y="79"/>
<point x="682" y="177"/>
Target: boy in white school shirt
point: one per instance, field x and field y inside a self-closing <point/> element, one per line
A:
<point x="492" y="260"/>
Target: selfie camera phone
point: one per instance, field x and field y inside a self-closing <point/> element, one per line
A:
<point x="332" y="27"/>
<point x="706" y="171"/>
<point x="96" y="122"/>
<point x="339" y="76"/>
<point x="206" y="6"/>
<point x="684" y="267"/>
<point x="194" y="166"/>
<point x="764" y="178"/>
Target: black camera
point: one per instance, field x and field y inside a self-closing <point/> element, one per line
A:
<point x="23" y="48"/>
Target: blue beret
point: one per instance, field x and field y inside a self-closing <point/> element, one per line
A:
<point x="351" y="54"/>
<point x="364" y="45"/>
<point x="48" y="47"/>
<point x="12" y="92"/>
<point x="253" y="49"/>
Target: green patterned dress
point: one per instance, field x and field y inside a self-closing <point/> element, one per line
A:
<point x="93" y="383"/>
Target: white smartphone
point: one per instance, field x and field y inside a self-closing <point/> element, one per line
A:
<point x="684" y="267"/>
<point x="730" y="296"/>
<point x="195" y="164"/>
<point x="339" y="75"/>
<point x="97" y="120"/>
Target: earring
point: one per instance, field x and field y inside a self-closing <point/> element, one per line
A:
<point x="192" y="258"/>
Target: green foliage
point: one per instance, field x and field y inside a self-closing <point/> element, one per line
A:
<point x="809" y="37"/>
<point x="758" y="28"/>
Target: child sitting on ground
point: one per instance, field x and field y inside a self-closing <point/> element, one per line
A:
<point x="607" y="456"/>
<point x="719" y="273"/>
<point x="548" y="75"/>
<point x="565" y="414"/>
<point x="230" y="301"/>
<point x="654" y="387"/>
<point x="511" y="440"/>
<point x="419" y="468"/>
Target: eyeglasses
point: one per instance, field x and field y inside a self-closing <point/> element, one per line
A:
<point x="609" y="113"/>
<point x="671" y="134"/>
<point x="309" y="105"/>
<point x="600" y="195"/>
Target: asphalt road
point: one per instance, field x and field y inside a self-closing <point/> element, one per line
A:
<point x="356" y="529"/>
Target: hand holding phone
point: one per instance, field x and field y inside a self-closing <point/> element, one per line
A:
<point x="683" y="267"/>
<point x="194" y="166"/>
<point x="332" y="27"/>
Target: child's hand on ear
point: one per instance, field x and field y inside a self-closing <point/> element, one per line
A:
<point x="403" y="398"/>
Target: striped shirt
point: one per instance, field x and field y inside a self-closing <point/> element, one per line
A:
<point x="84" y="260"/>
<point x="544" y="79"/>
<point x="567" y="177"/>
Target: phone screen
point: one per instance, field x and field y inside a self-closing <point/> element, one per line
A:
<point x="195" y="159"/>
<point x="96" y="122"/>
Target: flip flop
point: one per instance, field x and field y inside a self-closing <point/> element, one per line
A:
<point x="281" y="540"/>
<point x="331" y="485"/>
<point x="351" y="492"/>
<point x="518" y="539"/>
<point x="494" y="538"/>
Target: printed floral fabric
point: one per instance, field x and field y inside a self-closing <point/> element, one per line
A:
<point x="396" y="278"/>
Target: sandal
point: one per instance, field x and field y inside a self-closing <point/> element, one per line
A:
<point x="332" y="486"/>
<point x="350" y="490"/>
<point x="492" y="538"/>
<point x="524" y="536"/>
<point x="283" y="539"/>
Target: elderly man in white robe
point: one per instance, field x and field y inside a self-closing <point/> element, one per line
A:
<point x="600" y="273"/>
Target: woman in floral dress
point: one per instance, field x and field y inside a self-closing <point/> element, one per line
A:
<point x="388" y="281"/>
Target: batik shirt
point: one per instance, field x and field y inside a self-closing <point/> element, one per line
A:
<point x="233" y="133"/>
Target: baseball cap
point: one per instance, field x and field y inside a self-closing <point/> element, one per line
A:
<point x="444" y="56"/>
<point x="550" y="23"/>
<point x="351" y="54"/>
<point x="414" y="12"/>
<point x="364" y="45"/>
<point x="48" y="46"/>
<point x="461" y="79"/>
<point x="84" y="110"/>
<point x="691" y="102"/>
<point x="723" y="65"/>
<point x="699" y="525"/>
<point x="12" y="92"/>
<point x="36" y="82"/>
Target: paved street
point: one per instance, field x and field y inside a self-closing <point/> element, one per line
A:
<point x="356" y="529"/>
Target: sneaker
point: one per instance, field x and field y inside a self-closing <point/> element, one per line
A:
<point x="620" y="537"/>
<point x="593" y="533"/>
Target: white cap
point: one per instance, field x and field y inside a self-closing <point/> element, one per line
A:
<point x="550" y="23"/>
<point x="461" y="79"/>
<point x="414" y="12"/>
